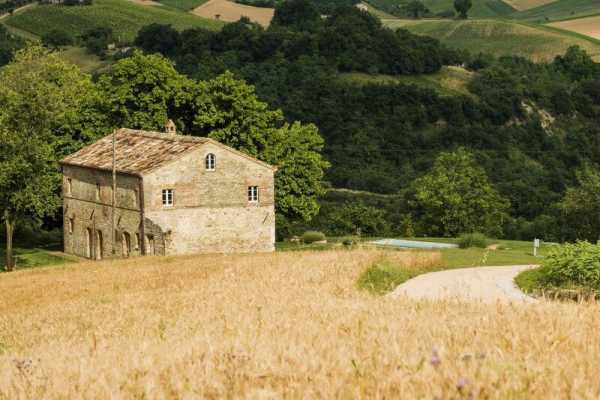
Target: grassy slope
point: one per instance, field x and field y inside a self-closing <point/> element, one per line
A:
<point x="31" y="258"/>
<point x="481" y="8"/>
<point x="449" y="81"/>
<point x="89" y="63"/>
<point x="124" y="17"/>
<point x="560" y="10"/>
<point x="499" y="37"/>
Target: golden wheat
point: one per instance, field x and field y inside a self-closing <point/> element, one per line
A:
<point x="283" y="325"/>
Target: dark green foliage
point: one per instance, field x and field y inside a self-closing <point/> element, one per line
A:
<point x="358" y="218"/>
<point x="299" y="14"/>
<point x="156" y="38"/>
<point x="57" y="38"/>
<point x="9" y="44"/>
<point x="415" y="9"/>
<point x="462" y="7"/>
<point x="309" y="237"/>
<point x="96" y="40"/>
<point x="571" y="265"/>
<point x="469" y="240"/>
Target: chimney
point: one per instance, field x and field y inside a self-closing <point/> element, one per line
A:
<point x="170" y="128"/>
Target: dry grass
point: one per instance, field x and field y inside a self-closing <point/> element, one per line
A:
<point x="230" y="11"/>
<point x="589" y="26"/>
<point x="283" y="325"/>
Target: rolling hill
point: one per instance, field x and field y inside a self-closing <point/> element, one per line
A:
<point x="124" y="17"/>
<point x="499" y="37"/>
<point x="560" y="10"/>
<point x="481" y="8"/>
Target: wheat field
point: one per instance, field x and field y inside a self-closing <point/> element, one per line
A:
<point x="282" y="325"/>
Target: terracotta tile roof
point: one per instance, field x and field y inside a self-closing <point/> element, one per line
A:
<point x="140" y="151"/>
<point x="136" y="151"/>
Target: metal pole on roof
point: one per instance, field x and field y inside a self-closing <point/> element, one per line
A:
<point x="114" y="191"/>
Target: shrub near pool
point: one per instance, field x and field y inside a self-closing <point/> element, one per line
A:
<point x="571" y="266"/>
<point x="468" y="240"/>
<point x="312" y="237"/>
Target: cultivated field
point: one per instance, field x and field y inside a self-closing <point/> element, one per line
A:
<point x="123" y="16"/>
<point x="499" y="37"/>
<point x="283" y="325"/>
<point x="229" y="11"/>
<point x="560" y="10"/>
<point x="589" y="26"/>
<point x="527" y="4"/>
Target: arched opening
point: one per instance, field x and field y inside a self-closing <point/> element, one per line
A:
<point x="88" y="243"/>
<point x="126" y="243"/>
<point x="150" y="245"/>
<point x="99" y="245"/>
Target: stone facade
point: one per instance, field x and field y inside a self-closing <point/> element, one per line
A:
<point x="212" y="209"/>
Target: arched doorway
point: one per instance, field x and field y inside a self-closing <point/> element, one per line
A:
<point x="88" y="243"/>
<point x="150" y="245"/>
<point x="99" y="245"/>
<point x="126" y="243"/>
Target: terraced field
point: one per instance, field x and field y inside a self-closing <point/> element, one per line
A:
<point x="560" y="10"/>
<point x="499" y="37"/>
<point x="589" y="26"/>
<point x="123" y="16"/>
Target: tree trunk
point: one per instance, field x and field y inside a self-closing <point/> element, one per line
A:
<point x="10" y="230"/>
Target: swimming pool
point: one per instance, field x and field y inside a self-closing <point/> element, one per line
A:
<point x="413" y="244"/>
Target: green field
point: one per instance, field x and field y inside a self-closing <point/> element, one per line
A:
<point x="450" y="81"/>
<point x="560" y="10"/>
<point x="87" y="62"/>
<point x="481" y="8"/>
<point x="124" y="17"/>
<point x="184" y="5"/>
<point x="499" y="37"/>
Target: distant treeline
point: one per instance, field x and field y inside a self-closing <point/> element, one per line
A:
<point x="530" y="125"/>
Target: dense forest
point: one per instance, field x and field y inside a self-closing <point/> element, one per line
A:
<point x="531" y="126"/>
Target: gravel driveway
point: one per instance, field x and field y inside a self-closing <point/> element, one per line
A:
<point x="484" y="284"/>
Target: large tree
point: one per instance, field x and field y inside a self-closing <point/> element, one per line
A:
<point x="456" y="197"/>
<point x="581" y="204"/>
<point x="145" y="90"/>
<point x="45" y="112"/>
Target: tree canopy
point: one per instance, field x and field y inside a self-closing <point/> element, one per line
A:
<point x="457" y="196"/>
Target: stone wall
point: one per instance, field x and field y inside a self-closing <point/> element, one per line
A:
<point x="211" y="211"/>
<point x="87" y="208"/>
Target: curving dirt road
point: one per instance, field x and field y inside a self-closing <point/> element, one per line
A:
<point x="483" y="284"/>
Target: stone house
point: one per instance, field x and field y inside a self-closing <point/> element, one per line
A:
<point x="175" y="194"/>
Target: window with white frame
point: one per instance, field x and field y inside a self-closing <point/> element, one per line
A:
<point x="253" y="193"/>
<point x="168" y="197"/>
<point x="211" y="162"/>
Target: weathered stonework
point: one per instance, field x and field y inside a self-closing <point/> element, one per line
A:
<point x="211" y="211"/>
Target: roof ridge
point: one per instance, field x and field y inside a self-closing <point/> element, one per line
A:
<point x="163" y="135"/>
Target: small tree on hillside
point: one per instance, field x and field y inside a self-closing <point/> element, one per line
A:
<point x="456" y="197"/>
<point x="462" y="7"/>
<point x="57" y="38"/>
<point x="582" y="203"/>
<point x="415" y="9"/>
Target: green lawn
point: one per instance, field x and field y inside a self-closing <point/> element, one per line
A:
<point x="560" y="10"/>
<point x="31" y="258"/>
<point x="499" y="37"/>
<point x="124" y="17"/>
<point x="450" y="81"/>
